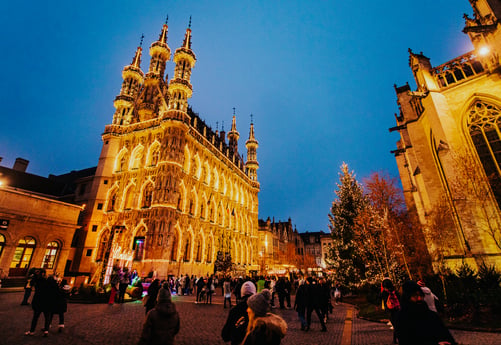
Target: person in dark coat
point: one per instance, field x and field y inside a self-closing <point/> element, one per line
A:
<point x="152" y="295"/>
<point x="264" y="327"/>
<point x="387" y="290"/>
<point x="287" y="292"/>
<point x="41" y="302"/>
<point x="200" y="288"/>
<point x="416" y="323"/>
<point x="61" y="292"/>
<point x="300" y="304"/>
<point x="235" y="327"/>
<point x="162" y="322"/>
<point x="313" y="303"/>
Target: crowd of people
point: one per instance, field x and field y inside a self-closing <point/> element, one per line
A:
<point x="49" y="299"/>
<point x="251" y="320"/>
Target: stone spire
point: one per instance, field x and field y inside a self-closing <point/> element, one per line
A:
<point x="160" y="53"/>
<point x="251" y="144"/>
<point x="133" y="78"/>
<point x="233" y="135"/>
<point x="180" y="88"/>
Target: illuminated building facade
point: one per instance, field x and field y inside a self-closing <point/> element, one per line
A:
<point x="36" y="227"/>
<point x="169" y="192"/>
<point x="281" y="249"/>
<point x="449" y="152"/>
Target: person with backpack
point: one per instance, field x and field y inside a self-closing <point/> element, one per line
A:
<point x="416" y="324"/>
<point x="390" y="302"/>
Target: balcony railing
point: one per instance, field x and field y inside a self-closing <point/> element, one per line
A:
<point x="460" y="69"/>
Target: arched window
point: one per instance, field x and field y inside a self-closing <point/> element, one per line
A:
<point x="49" y="258"/>
<point x="198" y="249"/>
<point x="484" y="127"/>
<point x="138" y="247"/>
<point x="22" y="257"/>
<point x="102" y="245"/>
<point x="2" y="244"/>
<point x="209" y="250"/>
<point x="137" y="158"/>
<point x="187" y="249"/>
<point x="147" y="195"/>
<point x="173" y="253"/>
<point x="112" y="201"/>
<point x="129" y="197"/>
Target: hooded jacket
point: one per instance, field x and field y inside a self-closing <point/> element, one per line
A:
<point x="268" y="330"/>
<point x="429" y="298"/>
<point x="161" y="325"/>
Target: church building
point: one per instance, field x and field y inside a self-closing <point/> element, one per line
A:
<point x="449" y="152"/>
<point x="170" y="194"/>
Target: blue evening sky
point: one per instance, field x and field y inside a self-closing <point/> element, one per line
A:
<point x="317" y="75"/>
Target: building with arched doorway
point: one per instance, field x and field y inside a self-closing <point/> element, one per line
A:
<point x="36" y="229"/>
<point x="449" y="152"/>
<point x="169" y="193"/>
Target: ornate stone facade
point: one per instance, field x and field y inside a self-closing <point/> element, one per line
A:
<point x="449" y="154"/>
<point x="169" y="192"/>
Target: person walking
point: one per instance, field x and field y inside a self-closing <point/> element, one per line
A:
<point x="200" y="289"/>
<point x="300" y="304"/>
<point x="210" y="289"/>
<point x="313" y="303"/>
<point x="227" y="291"/>
<point x="264" y="327"/>
<point x="152" y="295"/>
<point x="287" y="292"/>
<point x="27" y="289"/>
<point x="41" y="302"/>
<point x="391" y="303"/>
<point x="162" y="322"/>
<point x="114" y="281"/>
<point x="235" y="328"/>
<point x="416" y="324"/>
<point x="124" y="283"/>
<point x="60" y="306"/>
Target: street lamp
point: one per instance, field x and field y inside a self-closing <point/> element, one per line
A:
<point x="483" y="51"/>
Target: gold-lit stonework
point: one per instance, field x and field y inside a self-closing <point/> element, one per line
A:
<point x="449" y="153"/>
<point x="170" y="193"/>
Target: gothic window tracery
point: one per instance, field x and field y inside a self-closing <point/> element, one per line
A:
<point x="484" y="122"/>
<point x="129" y="197"/>
<point x="112" y="200"/>
<point x="147" y="195"/>
<point x="137" y="157"/>
<point x="209" y="250"/>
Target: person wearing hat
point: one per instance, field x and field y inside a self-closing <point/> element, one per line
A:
<point x="429" y="297"/>
<point x="264" y="327"/>
<point x="415" y="323"/>
<point x="162" y="322"/>
<point x="236" y="325"/>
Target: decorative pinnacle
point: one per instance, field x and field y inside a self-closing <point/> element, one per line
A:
<point x="189" y="25"/>
<point x="233" y="111"/>
<point x="167" y="20"/>
<point x="141" y="42"/>
<point x="252" y="121"/>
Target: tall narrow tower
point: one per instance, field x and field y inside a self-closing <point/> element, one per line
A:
<point x="151" y="99"/>
<point x="233" y="136"/>
<point x="133" y="79"/>
<point x="251" y="144"/>
<point x="180" y="88"/>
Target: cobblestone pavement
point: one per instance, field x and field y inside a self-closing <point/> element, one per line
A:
<point x="121" y="324"/>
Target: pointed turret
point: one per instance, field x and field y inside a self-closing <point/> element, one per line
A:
<point x="160" y="53"/>
<point x="133" y="78"/>
<point x="180" y="88"/>
<point x="233" y="135"/>
<point x="251" y="144"/>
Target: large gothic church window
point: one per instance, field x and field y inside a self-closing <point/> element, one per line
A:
<point x="49" y="258"/>
<point x="484" y="126"/>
